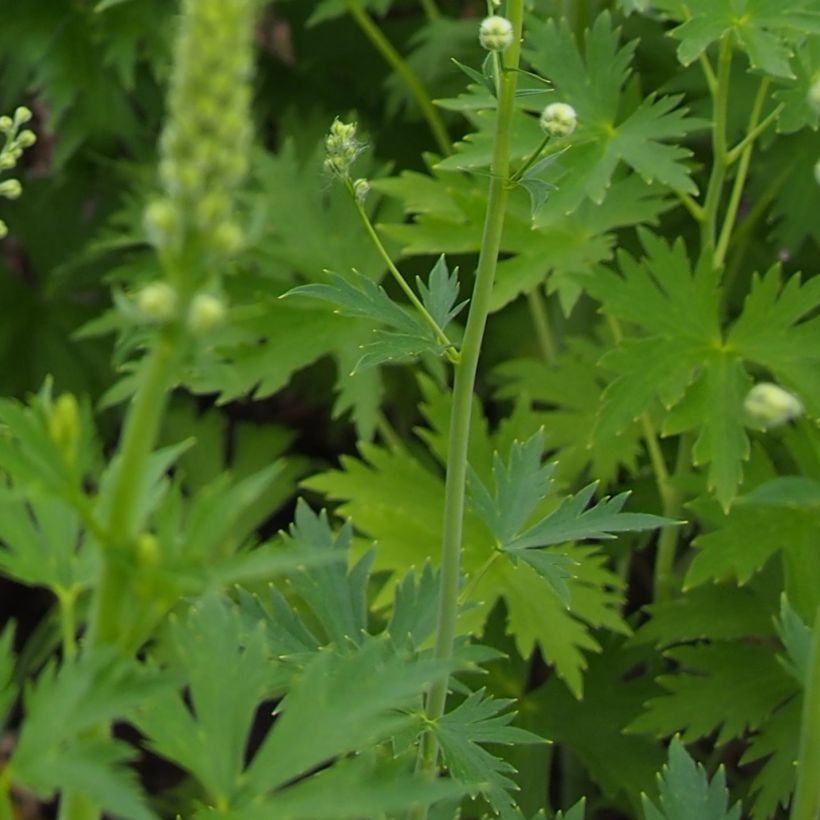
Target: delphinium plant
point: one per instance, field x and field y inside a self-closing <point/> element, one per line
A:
<point x="569" y="312"/>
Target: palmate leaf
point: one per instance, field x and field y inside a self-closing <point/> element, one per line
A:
<point x="409" y="336"/>
<point x="592" y="83"/>
<point x="765" y="29"/>
<point x="520" y="486"/>
<point x="93" y="689"/>
<point x="728" y="686"/>
<point x="461" y="734"/>
<point x="337" y="704"/>
<point x="399" y="503"/>
<point x="685" y="359"/>
<point x="687" y="794"/>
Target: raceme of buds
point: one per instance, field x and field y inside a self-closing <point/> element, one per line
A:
<point x="768" y="405"/>
<point x="157" y="303"/>
<point x="496" y="33"/>
<point x="16" y="141"/>
<point x="558" y="120"/>
<point x="341" y="148"/>
<point x="205" y="144"/>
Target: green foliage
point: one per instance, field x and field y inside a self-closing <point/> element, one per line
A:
<point x="492" y="337"/>
<point x="685" y="791"/>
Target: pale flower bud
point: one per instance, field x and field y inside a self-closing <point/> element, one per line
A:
<point x="361" y="188"/>
<point x="558" y="120"/>
<point x="157" y="302"/>
<point x="496" y="33"/>
<point x="768" y="405"/>
<point x="206" y="313"/>
<point x="11" y="188"/>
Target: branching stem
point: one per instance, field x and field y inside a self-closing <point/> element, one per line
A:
<point x="541" y="323"/>
<point x="465" y="375"/>
<point x="452" y="352"/>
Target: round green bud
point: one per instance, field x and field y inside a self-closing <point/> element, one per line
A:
<point x="6" y="124"/>
<point x="161" y="221"/>
<point x="205" y="314"/>
<point x="496" y="33"/>
<point x="11" y="188"/>
<point x="226" y="238"/>
<point x="768" y="405"/>
<point x="25" y="139"/>
<point x="157" y="302"/>
<point x="558" y="120"/>
<point x="4" y="229"/>
<point x="22" y="115"/>
<point x="7" y="161"/>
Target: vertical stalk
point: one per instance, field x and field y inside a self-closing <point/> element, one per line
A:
<point x="464" y="384"/>
<point x="541" y="323"/>
<point x="719" y="147"/>
<point x="806" y="801"/>
<point x="431" y="11"/>
<point x="399" y="65"/>
<point x="138" y="440"/>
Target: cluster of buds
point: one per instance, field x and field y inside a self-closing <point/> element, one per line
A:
<point x="158" y="303"/>
<point x="558" y="120"/>
<point x="17" y="139"/>
<point x="768" y="406"/>
<point x="496" y="33"/>
<point x="341" y="148"/>
<point x="205" y="144"/>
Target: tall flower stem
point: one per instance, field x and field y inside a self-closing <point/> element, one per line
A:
<point x="806" y="801"/>
<point x="720" y="163"/>
<point x="399" y="65"/>
<point x="464" y="384"/>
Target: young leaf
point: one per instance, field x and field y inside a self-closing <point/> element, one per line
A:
<point x="440" y="293"/>
<point x="796" y="637"/>
<point x="461" y="734"/>
<point x="687" y="794"/>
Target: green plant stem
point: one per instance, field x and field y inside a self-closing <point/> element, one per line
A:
<point x="742" y="171"/>
<point x="671" y="500"/>
<point x="400" y="66"/>
<point x="693" y="207"/>
<point x="806" y="801"/>
<point x="541" y="323"/>
<point x="431" y="11"/>
<point x="452" y="352"/>
<point x="719" y="149"/>
<point x="464" y="384"/>
<point x="530" y="161"/>
<point x="138" y="438"/>
<point x="67" y="599"/>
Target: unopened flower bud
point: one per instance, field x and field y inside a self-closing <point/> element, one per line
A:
<point x="227" y="238"/>
<point x="361" y="188"/>
<point x="161" y="220"/>
<point x="157" y="302"/>
<point x="64" y="426"/>
<point x="22" y="115"/>
<point x="25" y="139"/>
<point x="558" y="120"/>
<point x="768" y="405"/>
<point x="4" y="229"/>
<point x="496" y="33"/>
<point x="206" y="313"/>
<point x="6" y="124"/>
<point x="11" y="188"/>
